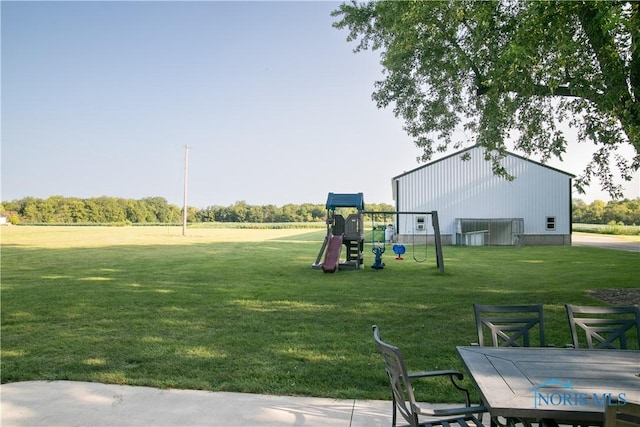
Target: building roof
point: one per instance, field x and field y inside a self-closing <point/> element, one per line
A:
<point x="479" y="146"/>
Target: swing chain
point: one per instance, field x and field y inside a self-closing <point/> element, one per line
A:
<point x="413" y="243"/>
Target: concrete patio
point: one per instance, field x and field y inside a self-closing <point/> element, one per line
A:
<point x="69" y="403"/>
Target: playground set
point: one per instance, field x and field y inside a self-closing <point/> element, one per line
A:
<point x="349" y="232"/>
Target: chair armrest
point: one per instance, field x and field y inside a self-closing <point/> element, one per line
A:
<point x="446" y="412"/>
<point x="452" y="374"/>
<point x="426" y="374"/>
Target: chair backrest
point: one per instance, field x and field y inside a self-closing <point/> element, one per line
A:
<point x="402" y="392"/>
<point x="509" y="325"/>
<point x="604" y="327"/>
<point x="627" y="415"/>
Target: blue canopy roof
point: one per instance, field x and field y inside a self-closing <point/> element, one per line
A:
<point x="335" y="200"/>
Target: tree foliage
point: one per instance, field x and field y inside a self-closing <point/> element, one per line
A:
<point x="96" y="210"/>
<point x="510" y="72"/>
<point x="306" y="212"/>
<point x="156" y="210"/>
<point x="625" y="212"/>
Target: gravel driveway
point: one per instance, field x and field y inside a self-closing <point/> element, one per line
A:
<point x="605" y="241"/>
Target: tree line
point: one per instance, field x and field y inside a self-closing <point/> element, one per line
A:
<point x="156" y="210"/>
<point x="72" y="210"/>
<point x="623" y="212"/>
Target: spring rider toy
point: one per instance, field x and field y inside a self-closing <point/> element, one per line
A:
<point x="399" y="250"/>
<point x="378" y="251"/>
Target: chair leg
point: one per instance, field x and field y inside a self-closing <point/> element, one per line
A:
<point x="393" y="412"/>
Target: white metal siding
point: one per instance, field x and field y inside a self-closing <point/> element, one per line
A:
<point x="459" y="188"/>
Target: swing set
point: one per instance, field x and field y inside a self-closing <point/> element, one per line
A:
<point x="419" y="219"/>
<point x="349" y="232"/>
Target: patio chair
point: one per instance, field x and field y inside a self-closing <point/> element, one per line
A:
<point x="404" y="401"/>
<point x="627" y="415"/>
<point x="509" y="325"/>
<point x="604" y="327"/>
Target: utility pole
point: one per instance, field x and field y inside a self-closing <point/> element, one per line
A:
<point x="184" y="208"/>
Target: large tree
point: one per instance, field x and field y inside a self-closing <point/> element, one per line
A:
<point x="510" y="72"/>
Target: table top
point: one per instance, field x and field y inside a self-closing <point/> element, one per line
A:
<point x="555" y="383"/>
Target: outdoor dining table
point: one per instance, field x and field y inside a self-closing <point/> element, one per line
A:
<point x="553" y="385"/>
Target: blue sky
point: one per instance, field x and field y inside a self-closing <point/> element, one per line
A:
<point x="100" y="98"/>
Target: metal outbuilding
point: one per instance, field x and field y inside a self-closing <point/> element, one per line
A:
<point x="477" y="207"/>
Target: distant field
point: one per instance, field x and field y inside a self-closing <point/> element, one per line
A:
<point x="242" y="309"/>
<point x="629" y="230"/>
<point x="65" y="236"/>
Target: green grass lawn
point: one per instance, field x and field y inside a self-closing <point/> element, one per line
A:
<point x="242" y="310"/>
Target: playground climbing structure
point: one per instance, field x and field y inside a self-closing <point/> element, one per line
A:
<point x="341" y="231"/>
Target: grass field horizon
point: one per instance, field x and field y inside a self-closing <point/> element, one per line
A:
<point x="242" y="310"/>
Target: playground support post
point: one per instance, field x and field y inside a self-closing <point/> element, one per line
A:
<point x="438" y="240"/>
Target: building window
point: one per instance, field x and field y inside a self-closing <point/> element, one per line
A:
<point x="551" y="223"/>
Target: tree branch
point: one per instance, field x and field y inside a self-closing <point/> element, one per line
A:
<point x="539" y="90"/>
<point x="618" y="100"/>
